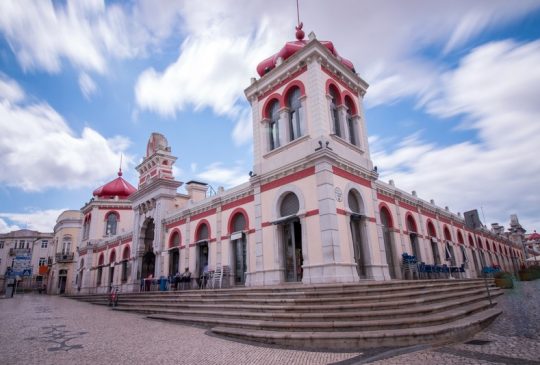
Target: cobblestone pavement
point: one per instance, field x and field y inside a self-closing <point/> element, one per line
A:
<point x="514" y="337"/>
<point x="44" y="330"/>
<point x="40" y="329"/>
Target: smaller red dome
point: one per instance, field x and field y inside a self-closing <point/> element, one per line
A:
<point x="118" y="187"/>
<point x="533" y="237"/>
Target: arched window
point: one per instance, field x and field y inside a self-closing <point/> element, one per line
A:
<point x="296" y="122"/>
<point x="334" y="113"/>
<point x="174" y="241"/>
<point x="351" y="123"/>
<point x="355" y="202"/>
<point x="112" y="220"/>
<point x="415" y="245"/>
<point x="411" y="224"/>
<point x="202" y="233"/>
<point x="238" y="223"/>
<point x="431" y="229"/>
<point x="447" y="235"/>
<point x="273" y="126"/>
<point x="86" y="226"/>
<point x="460" y="238"/>
<point x="289" y="205"/>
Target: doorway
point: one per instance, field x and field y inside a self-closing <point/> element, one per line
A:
<point x="174" y="261"/>
<point x="203" y="257"/>
<point x="238" y="242"/>
<point x="149" y="258"/>
<point x="292" y="239"/>
<point x="62" y="280"/>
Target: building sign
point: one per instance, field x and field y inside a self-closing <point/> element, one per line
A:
<point x="22" y="265"/>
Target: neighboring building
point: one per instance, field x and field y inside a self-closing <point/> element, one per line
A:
<point x="313" y="210"/>
<point x="62" y="276"/>
<point x="32" y="248"/>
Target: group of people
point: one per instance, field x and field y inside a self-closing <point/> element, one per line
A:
<point x="185" y="277"/>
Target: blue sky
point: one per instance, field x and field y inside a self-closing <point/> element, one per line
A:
<point x="452" y="110"/>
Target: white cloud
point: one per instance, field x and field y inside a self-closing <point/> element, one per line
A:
<point x="87" y="85"/>
<point x="219" y="175"/>
<point x="40" y="151"/>
<point x="39" y="220"/>
<point x="10" y="90"/>
<point x="495" y="90"/>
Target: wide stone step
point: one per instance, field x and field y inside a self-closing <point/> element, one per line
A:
<point x="404" y="312"/>
<point x="307" y="308"/>
<point x="355" y="340"/>
<point x="336" y="298"/>
<point x="326" y="324"/>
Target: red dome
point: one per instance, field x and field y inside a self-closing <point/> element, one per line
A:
<point x="291" y="48"/>
<point x="533" y="237"/>
<point x="118" y="187"/>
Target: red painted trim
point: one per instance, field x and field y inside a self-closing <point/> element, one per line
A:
<point x="385" y="206"/>
<point x="372" y="219"/>
<point x="175" y="224"/>
<point x="341" y="211"/>
<point x="408" y="216"/>
<point x="460" y="238"/>
<point x="283" y="82"/>
<point x="385" y="198"/>
<point x="289" y="88"/>
<point x="354" y="178"/>
<point x="116" y="244"/>
<point x="101" y="259"/>
<point x="212" y="240"/>
<point x="233" y="214"/>
<point x="329" y="73"/>
<point x="310" y="213"/>
<point x="115" y="208"/>
<point x="112" y="212"/>
<point x="429" y="214"/>
<point x="203" y="214"/>
<point x="192" y="244"/>
<point x="269" y="102"/>
<point x="252" y="230"/>
<point x="444" y="220"/>
<point x="408" y="206"/>
<point x="112" y="256"/>
<point x="223" y="238"/>
<point x="348" y="98"/>
<point x="171" y="235"/>
<point x="288" y="179"/>
<point x="199" y="225"/>
<point x="329" y="83"/>
<point x="127" y="240"/>
<point x="431" y="232"/>
<point x="153" y="172"/>
<point x="124" y="250"/>
<point x="266" y="224"/>
<point x="236" y="203"/>
<point x="446" y="233"/>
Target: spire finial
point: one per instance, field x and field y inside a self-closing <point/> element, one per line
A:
<point x="299" y="32"/>
<point x="120" y="168"/>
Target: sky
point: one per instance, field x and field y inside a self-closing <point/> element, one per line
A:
<point x="453" y="107"/>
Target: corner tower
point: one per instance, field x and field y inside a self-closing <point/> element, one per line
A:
<point x="313" y="178"/>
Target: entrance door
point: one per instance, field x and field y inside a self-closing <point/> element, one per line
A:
<point x="111" y="275"/>
<point x="240" y="265"/>
<point x="203" y="257"/>
<point x="175" y="259"/>
<point x="62" y="279"/>
<point x="359" y="257"/>
<point x="435" y="252"/>
<point x="292" y="239"/>
<point x="148" y="264"/>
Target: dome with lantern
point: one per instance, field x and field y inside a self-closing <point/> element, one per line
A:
<point x="116" y="188"/>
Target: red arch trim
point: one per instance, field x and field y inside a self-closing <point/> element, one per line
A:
<point x="408" y="216"/>
<point x="460" y="238"/>
<point x="101" y="259"/>
<point x="199" y="225"/>
<point x="171" y="236"/>
<point x="290" y="86"/>
<point x="112" y="256"/>
<point x="471" y="240"/>
<point x="429" y="223"/>
<point x="348" y="96"/>
<point x="446" y="233"/>
<point x="127" y="250"/>
<point x="112" y="212"/>
<point x="233" y="214"/>
<point x="269" y="101"/>
<point x="332" y="83"/>
<point x="385" y="206"/>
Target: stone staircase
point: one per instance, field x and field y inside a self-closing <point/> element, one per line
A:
<point x="343" y="317"/>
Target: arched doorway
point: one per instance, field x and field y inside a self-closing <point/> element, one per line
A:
<point x="201" y="237"/>
<point x="174" y="253"/>
<point x="238" y="242"/>
<point x="149" y="258"/>
<point x="99" y="274"/>
<point x="80" y="276"/>
<point x="413" y="235"/>
<point x="125" y="261"/>
<point x="291" y="233"/>
<point x="387" y="225"/>
<point x="62" y="280"/>
<point x="356" y="206"/>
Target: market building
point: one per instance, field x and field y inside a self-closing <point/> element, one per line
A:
<point x="313" y="210"/>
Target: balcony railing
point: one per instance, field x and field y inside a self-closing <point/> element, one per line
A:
<point x="19" y="251"/>
<point x="64" y="257"/>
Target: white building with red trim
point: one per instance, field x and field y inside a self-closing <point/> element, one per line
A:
<point x="313" y="210"/>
